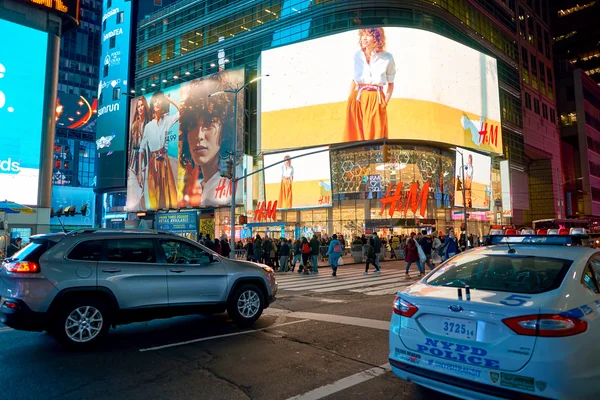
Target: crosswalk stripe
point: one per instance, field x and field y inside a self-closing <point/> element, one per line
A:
<point x="386" y="291"/>
<point x="355" y="285"/>
<point x="381" y="287"/>
<point x="368" y="279"/>
<point x="322" y="274"/>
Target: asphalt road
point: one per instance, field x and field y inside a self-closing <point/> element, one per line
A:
<point x="308" y="343"/>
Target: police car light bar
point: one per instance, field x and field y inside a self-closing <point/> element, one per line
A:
<point x="551" y="240"/>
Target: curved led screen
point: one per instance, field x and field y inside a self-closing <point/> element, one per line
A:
<point x="22" y="86"/>
<point x="396" y="83"/>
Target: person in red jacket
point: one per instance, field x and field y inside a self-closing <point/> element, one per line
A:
<point x="412" y="254"/>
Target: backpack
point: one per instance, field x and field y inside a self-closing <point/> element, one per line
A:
<point x="305" y="248"/>
<point x="337" y="248"/>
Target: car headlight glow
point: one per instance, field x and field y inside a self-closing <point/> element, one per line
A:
<point x="267" y="269"/>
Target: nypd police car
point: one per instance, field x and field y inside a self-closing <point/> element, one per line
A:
<point x="517" y="319"/>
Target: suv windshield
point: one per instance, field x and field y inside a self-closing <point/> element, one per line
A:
<point x="502" y="273"/>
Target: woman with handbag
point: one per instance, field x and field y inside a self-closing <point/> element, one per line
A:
<point x="334" y="252"/>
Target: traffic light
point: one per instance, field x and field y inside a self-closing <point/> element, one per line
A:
<point x="386" y="154"/>
<point x="226" y="170"/>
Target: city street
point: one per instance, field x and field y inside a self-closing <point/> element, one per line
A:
<point x="323" y="338"/>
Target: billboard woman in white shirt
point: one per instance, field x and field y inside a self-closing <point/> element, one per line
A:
<point x="285" y="189"/>
<point x="157" y="177"/>
<point x="371" y="89"/>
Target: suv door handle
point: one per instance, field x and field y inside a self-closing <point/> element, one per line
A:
<point x="177" y="270"/>
<point x="111" y="270"/>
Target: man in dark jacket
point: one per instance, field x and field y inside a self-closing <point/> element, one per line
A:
<point x="314" y="253"/>
<point x="376" y="243"/>
<point x="225" y="247"/>
<point x="426" y="244"/>
<point x="284" y="255"/>
<point x="14" y="247"/>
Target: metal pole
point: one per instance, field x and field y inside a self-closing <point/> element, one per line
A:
<point x="560" y="194"/>
<point x="233" y="177"/>
<point x="462" y="158"/>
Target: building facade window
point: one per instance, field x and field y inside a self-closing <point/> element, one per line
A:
<point x="528" y="100"/>
<point x="544" y="110"/>
<point x="536" y="106"/>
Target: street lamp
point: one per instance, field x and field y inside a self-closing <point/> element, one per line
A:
<point x="234" y="179"/>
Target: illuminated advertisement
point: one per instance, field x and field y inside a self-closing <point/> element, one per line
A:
<point x="75" y="112"/>
<point x="300" y="181"/>
<point x="66" y="7"/>
<point x="505" y="187"/>
<point x="64" y="196"/>
<point x="178" y="141"/>
<point x="22" y="86"/>
<point x="113" y="88"/>
<point x="416" y="85"/>
<point x="477" y="179"/>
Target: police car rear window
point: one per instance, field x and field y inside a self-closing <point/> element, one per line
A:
<point x="502" y="273"/>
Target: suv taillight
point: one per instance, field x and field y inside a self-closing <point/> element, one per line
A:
<point x="546" y="325"/>
<point x="404" y="308"/>
<point x="22" y="267"/>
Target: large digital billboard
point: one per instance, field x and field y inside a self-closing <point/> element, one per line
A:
<point x="178" y="140"/>
<point x="396" y="83"/>
<point x="113" y="89"/>
<point x="22" y="88"/>
<point x="301" y="181"/>
<point x="477" y="179"/>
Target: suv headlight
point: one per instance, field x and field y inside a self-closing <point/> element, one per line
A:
<point x="267" y="269"/>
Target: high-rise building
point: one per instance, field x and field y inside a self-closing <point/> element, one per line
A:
<point x="540" y="130"/>
<point x="190" y="40"/>
<point x="576" y="34"/>
<point x="577" y="58"/>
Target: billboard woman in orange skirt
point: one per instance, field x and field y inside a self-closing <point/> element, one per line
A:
<point x="285" y="189"/>
<point x="371" y="89"/>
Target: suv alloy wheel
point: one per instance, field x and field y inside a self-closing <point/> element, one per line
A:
<point x="246" y="305"/>
<point x="82" y="323"/>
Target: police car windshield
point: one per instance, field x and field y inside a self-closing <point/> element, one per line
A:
<point x="502" y="273"/>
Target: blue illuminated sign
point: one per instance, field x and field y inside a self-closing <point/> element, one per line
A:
<point x="64" y="196"/>
<point x="113" y="86"/>
<point x="22" y="89"/>
<point x="185" y="221"/>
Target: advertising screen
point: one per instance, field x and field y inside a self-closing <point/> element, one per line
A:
<point x="417" y="85"/>
<point x="178" y="140"/>
<point x="64" y="196"/>
<point x="298" y="182"/>
<point x="113" y="88"/>
<point x="76" y="112"/>
<point x="22" y="86"/>
<point x="478" y="175"/>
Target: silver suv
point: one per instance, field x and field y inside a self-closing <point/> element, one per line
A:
<point x="76" y="285"/>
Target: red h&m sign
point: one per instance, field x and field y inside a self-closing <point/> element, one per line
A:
<point x="488" y="136"/>
<point x="265" y="211"/>
<point x="415" y="199"/>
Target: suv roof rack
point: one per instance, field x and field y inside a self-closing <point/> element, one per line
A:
<point x="120" y="231"/>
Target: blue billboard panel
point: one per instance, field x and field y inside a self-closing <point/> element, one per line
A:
<point x="111" y="133"/>
<point x="180" y="222"/>
<point x="22" y="88"/>
<point x="64" y="196"/>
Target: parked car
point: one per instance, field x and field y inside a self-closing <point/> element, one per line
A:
<point x="79" y="284"/>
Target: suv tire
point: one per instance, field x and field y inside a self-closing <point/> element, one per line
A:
<point x="246" y="305"/>
<point x="81" y="323"/>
